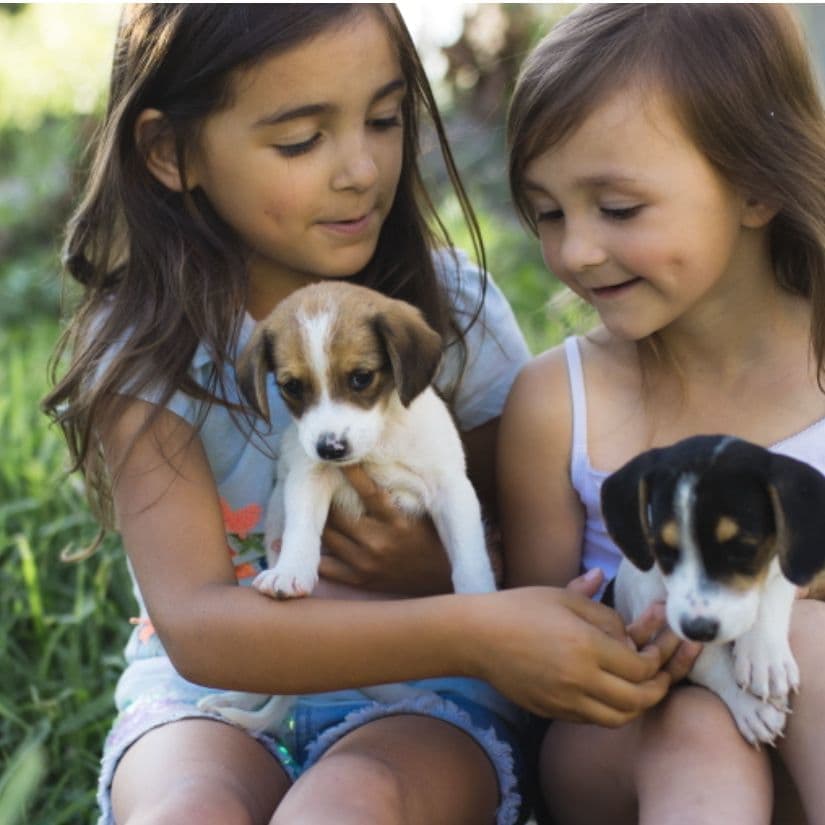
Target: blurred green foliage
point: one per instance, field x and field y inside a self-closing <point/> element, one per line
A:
<point x="53" y="67"/>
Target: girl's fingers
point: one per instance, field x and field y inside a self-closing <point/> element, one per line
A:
<point x="620" y="659"/>
<point x="375" y="499"/>
<point x="587" y="584"/>
<point x="336" y="570"/>
<point x="648" y="625"/>
<point x="600" y="616"/>
<point x="625" y="700"/>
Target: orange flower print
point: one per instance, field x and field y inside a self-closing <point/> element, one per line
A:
<point x="240" y="521"/>
<point x="243" y="570"/>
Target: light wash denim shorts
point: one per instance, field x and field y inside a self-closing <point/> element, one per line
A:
<point x="150" y="693"/>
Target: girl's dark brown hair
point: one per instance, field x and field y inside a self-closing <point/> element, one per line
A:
<point x="740" y="80"/>
<point x="160" y="271"/>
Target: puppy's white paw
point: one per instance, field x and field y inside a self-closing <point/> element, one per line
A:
<point x="766" y="667"/>
<point x="286" y="582"/>
<point x="757" y="720"/>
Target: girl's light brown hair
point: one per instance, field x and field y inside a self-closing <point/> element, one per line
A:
<point x="161" y="273"/>
<point x="739" y="78"/>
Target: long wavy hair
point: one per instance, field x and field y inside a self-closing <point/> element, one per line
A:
<point x="160" y="271"/>
<point x="740" y="79"/>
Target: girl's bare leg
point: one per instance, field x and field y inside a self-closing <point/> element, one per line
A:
<point x="197" y="770"/>
<point x="802" y="749"/>
<point x="682" y="762"/>
<point x="405" y="769"/>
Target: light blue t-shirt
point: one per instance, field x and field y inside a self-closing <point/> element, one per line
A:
<point x="243" y="455"/>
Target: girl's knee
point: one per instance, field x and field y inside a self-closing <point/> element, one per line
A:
<point x="348" y="789"/>
<point x="692" y="717"/>
<point x="191" y="802"/>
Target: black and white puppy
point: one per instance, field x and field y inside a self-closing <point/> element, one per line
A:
<point x="723" y="531"/>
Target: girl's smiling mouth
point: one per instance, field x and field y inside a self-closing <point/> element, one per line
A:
<point x="614" y="290"/>
<point x="352" y="226"/>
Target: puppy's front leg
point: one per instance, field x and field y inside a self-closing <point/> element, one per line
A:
<point x="764" y="663"/>
<point x="757" y="720"/>
<point x="456" y="514"/>
<point x="306" y="500"/>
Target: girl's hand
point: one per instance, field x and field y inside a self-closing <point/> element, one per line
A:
<point x="560" y="655"/>
<point x="650" y="628"/>
<point x="384" y="550"/>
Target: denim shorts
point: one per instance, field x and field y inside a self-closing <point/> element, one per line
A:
<point x="150" y="694"/>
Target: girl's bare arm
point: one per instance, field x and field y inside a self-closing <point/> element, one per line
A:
<point x="542" y="518"/>
<point x="536" y="645"/>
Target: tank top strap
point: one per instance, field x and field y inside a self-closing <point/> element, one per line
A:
<point x="575" y="372"/>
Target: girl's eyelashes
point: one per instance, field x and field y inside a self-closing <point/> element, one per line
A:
<point x="614" y="213"/>
<point x="621" y="213"/>
<point x="293" y="150"/>
<point x="384" y="123"/>
<point x="549" y="215"/>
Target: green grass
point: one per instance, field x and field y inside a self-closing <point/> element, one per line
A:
<point x="62" y="625"/>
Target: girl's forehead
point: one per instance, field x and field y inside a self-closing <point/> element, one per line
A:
<point x="354" y="52"/>
<point x="632" y="137"/>
<point x="625" y="124"/>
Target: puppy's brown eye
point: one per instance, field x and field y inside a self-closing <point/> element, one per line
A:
<point x="292" y="388"/>
<point x="359" y="380"/>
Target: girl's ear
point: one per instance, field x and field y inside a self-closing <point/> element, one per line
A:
<point x="156" y="142"/>
<point x="757" y="213"/>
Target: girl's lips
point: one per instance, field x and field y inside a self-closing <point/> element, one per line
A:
<point x="350" y="227"/>
<point x="615" y="289"/>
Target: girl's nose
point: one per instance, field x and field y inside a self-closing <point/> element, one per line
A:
<point x="357" y="166"/>
<point x="581" y="248"/>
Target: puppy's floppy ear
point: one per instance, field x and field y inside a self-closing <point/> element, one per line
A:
<point x="413" y="348"/>
<point x="254" y="363"/>
<point x="625" y="495"/>
<point x="797" y="492"/>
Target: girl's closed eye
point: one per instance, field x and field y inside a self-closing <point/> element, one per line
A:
<point x="292" y="150"/>
<point x="621" y="213"/>
<point x="387" y="122"/>
<point x="546" y="214"/>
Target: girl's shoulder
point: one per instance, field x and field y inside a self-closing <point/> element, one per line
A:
<point x="608" y="364"/>
<point x="540" y="400"/>
<point x="595" y="358"/>
<point x="588" y="371"/>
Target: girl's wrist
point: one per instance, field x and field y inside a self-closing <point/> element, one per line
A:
<point x="467" y="641"/>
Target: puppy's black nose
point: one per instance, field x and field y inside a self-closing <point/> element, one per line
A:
<point x="700" y="629"/>
<point x="331" y="447"/>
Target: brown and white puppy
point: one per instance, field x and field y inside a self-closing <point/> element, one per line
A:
<point x="723" y="531"/>
<point x="355" y="368"/>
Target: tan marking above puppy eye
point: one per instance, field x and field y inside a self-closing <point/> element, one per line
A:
<point x="726" y="529"/>
<point x="670" y="534"/>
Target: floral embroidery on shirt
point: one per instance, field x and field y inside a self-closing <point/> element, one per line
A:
<point x="243" y="570"/>
<point x="245" y="548"/>
<point x="240" y="521"/>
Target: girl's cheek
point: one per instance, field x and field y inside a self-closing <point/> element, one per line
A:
<point x="549" y="252"/>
